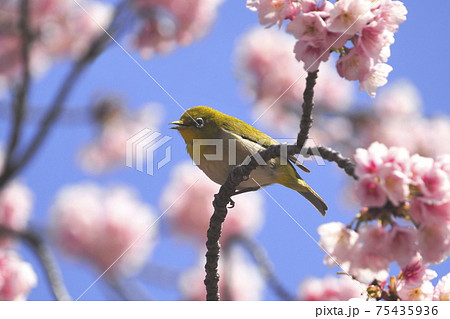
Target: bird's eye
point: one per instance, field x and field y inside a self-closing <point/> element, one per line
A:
<point x="199" y="122"/>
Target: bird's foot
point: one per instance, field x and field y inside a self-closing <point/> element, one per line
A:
<point x="232" y="203"/>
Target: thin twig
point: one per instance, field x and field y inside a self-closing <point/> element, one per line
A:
<point x="228" y="189"/>
<point x="21" y="96"/>
<point x="331" y="155"/>
<point x="264" y="265"/>
<point x="46" y="258"/>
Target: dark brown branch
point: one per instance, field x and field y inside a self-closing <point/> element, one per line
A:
<point x="46" y="258"/>
<point x="228" y="189"/>
<point x="20" y="101"/>
<point x="331" y="155"/>
<point x="307" y="107"/>
<point x="57" y="106"/>
<point x="264" y="265"/>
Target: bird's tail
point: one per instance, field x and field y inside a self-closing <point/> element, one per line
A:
<point x="306" y="191"/>
<point x="315" y="199"/>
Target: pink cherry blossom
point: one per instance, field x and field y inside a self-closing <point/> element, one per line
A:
<point x="391" y="13"/>
<point x="240" y="279"/>
<point x="400" y="100"/>
<point x="164" y="24"/>
<point x="17" y="277"/>
<point x="421" y="293"/>
<point x="108" y="150"/>
<point x="369" y="260"/>
<point x="61" y="30"/>
<point x="369" y="192"/>
<point x="331" y="289"/>
<point x="107" y="227"/>
<point x="16" y="202"/>
<point x="376" y="78"/>
<point x="434" y="242"/>
<point x="272" y="12"/>
<point x="278" y="87"/>
<point x="350" y="16"/>
<point x="369" y="161"/>
<point x="187" y="199"/>
<point x="442" y="289"/>
<point x="337" y="241"/>
<point x="415" y="274"/>
<point x="395" y="184"/>
<point x="423" y="211"/>
<point x="401" y="244"/>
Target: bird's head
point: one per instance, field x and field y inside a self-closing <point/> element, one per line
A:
<point x="199" y="122"/>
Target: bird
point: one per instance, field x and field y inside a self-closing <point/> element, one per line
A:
<point x="218" y="142"/>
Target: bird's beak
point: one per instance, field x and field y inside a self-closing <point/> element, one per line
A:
<point x="179" y="124"/>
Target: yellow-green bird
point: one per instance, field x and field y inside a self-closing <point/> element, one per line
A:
<point x="218" y="142"/>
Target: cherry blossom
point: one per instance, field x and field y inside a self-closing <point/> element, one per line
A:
<point x="16" y="202"/>
<point x="62" y="30"/>
<point x="108" y="150"/>
<point x="17" y="277"/>
<point x="337" y="241"/>
<point x="442" y="289"/>
<point x="110" y="228"/>
<point x="272" y="12"/>
<point x="187" y="200"/>
<point x="277" y="87"/>
<point x="331" y="289"/>
<point x="164" y="24"/>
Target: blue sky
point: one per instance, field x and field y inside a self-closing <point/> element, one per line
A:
<point x="202" y="74"/>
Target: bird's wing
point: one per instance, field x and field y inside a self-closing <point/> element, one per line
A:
<point x="256" y="136"/>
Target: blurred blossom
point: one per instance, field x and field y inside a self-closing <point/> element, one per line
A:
<point x="239" y="279"/>
<point x="60" y="28"/>
<point x="330" y="288"/>
<point x="400" y="99"/>
<point x="337" y="241"/>
<point x="401" y="244"/>
<point x="264" y="62"/>
<point x="116" y="126"/>
<point x="100" y="225"/>
<point x="434" y="242"/>
<point x="442" y="289"/>
<point x="188" y="200"/>
<point x="16" y="201"/>
<point x="164" y="24"/>
<point x="421" y="293"/>
<point x="17" y="277"/>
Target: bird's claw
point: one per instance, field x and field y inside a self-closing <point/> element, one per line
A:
<point x="232" y="203"/>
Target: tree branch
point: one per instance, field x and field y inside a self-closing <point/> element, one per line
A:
<point x="236" y="176"/>
<point x="97" y="47"/>
<point x="331" y="155"/>
<point x="46" y="258"/>
<point x="20" y="101"/>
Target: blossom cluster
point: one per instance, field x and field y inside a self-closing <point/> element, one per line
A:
<point x="360" y="30"/>
<point x="271" y="74"/>
<point x="17" y="277"/>
<point x="59" y="28"/>
<point x="115" y="124"/>
<point x="164" y="24"/>
<point x="108" y="227"/>
<point x="405" y="219"/>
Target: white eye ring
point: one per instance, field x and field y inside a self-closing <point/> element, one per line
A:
<point x="199" y="122"/>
